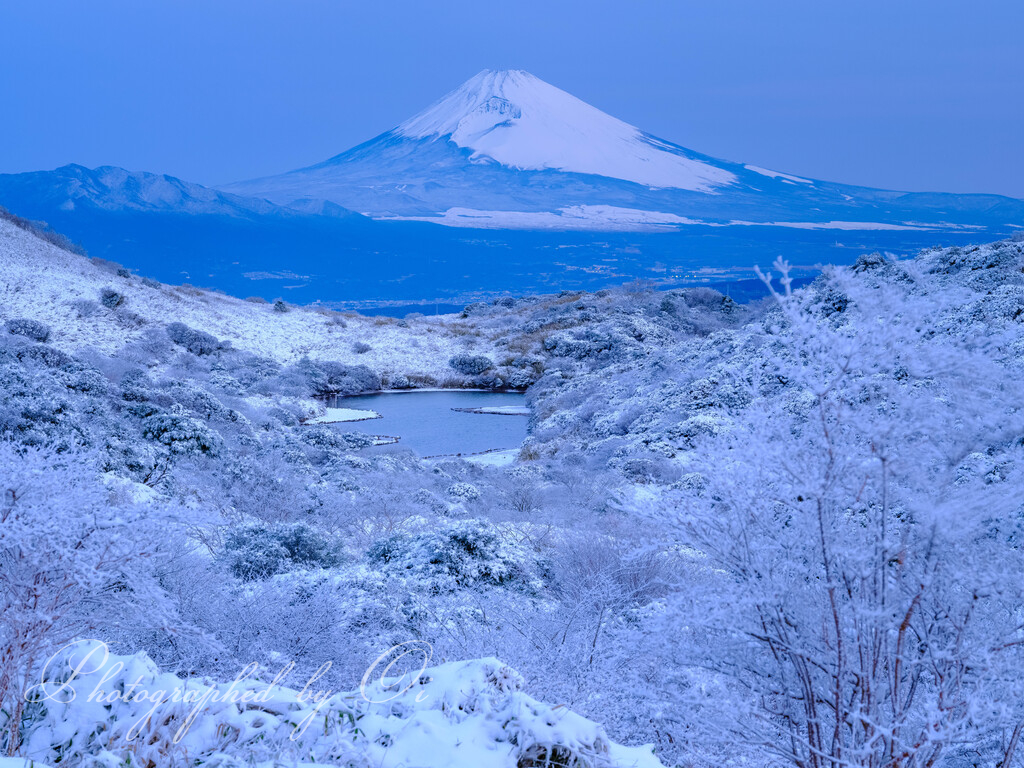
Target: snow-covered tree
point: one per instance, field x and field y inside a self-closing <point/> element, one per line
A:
<point x="860" y="541"/>
<point x="71" y="562"/>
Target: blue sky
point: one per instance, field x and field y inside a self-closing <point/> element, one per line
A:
<point x="901" y="94"/>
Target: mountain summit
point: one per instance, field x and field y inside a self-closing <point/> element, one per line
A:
<point x="518" y="120"/>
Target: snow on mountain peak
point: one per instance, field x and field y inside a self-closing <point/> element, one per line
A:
<point x="522" y="122"/>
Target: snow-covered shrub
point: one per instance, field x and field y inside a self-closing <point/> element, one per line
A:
<point x="198" y="402"/>
<point x="708" y="298"/>
<point x="256" y="552"/>
<point x="280" y="306"/>
<point x="648" y="469"/>
<point x="430" y="718"/>
<point x="196" y="342"/>
<point x="332" y="441"/>
<point x="427" y="498"/>
<point x="111" y="299"/>
<point x="590" y="345"/>
<point x="469" y="552"/>
<point x="519" y="378"/>
<point x="869" y="261"/>
<point x="326" y="377"/>
<point x="35" y="408"/>
<point x="688" y="433"/>
<point x="361" y="347"/>
<point x="85" y="308"/>
<point x="471" y="365"/>
<point x="182" y="434"/>
<point x="463" y="491"/>
<point x="31" y="329"/>
<point x="250" y="370"/>
<point x="400" y="381"/>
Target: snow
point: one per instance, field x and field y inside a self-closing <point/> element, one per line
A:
<point x="111" y="188"/>
<point x="520" y="121"/>
<point x="777" y="175"/>
<point x="608" y="218"/>
<point x="494" y="458"/>
<point x="339" y="415"/>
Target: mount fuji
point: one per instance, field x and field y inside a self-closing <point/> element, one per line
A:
<point x="507" y="184"/>
<point x="507" y="150"/>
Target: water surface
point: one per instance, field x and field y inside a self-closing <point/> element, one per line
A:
<point x="426" y="423"/>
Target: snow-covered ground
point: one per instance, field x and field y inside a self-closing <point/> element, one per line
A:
<point x="609" y="218"/>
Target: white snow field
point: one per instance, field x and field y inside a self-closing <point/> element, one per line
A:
<point x="520" y="121"/>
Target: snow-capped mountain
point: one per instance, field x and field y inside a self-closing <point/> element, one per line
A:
<point x="508" y="151"/>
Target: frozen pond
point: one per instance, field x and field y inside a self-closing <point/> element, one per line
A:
<point x="434" y="423"/>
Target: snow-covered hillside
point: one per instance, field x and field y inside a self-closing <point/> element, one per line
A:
<point x="42" y="282"/>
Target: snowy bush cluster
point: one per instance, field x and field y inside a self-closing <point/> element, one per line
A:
<point x="31" y="329"/>
<point x="449" y="714"/>
<point x="783" y="533"/>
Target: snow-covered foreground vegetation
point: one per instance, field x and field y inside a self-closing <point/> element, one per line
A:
<point x="775" y="534"/>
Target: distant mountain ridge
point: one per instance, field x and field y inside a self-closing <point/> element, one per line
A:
<point x="110" y="188"/>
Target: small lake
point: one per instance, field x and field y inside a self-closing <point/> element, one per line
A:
<point x="426" y="423"/>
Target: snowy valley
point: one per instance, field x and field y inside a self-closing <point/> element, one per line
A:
<point x="643" y="584"/>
